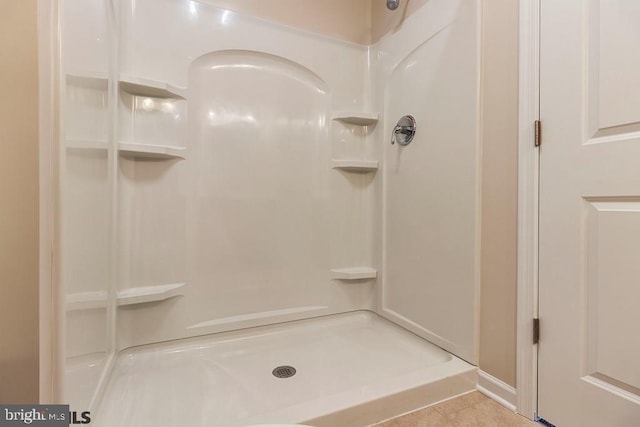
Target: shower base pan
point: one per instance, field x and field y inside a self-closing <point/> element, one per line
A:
<point x="352" y="369"/>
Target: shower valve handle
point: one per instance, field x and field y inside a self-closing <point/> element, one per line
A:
<point x="404" y="131"/>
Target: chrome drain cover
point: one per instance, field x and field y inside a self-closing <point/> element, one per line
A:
<point x="284" y="371"/>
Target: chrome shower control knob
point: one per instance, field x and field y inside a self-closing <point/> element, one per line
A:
<point x="404" y="131"/>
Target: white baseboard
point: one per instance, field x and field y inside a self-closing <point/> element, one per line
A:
<point x="497" y="390"/>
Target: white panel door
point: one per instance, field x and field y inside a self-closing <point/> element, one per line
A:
<point x="589" y="360"/>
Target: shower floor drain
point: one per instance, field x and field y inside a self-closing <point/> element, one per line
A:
<point x="284" y="371"/>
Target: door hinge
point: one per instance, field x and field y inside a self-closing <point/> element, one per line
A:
<point x="536" y="331"/>
<point x="537" y="137"/>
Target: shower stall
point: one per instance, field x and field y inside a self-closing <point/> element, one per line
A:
<point x="239" y="242"/>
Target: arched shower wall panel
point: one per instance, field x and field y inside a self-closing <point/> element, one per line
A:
<point x="256" y="216"/>
<point x="259" y="198"/>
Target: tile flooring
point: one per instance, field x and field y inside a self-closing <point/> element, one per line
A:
<point x="472" y="410"/>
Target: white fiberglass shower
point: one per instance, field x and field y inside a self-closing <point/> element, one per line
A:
<point x="231" y="202"/>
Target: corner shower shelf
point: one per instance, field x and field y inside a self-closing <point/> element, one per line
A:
<point x="359" y="118"/>
<point x="85" y="300"/>
<point x="94" y="80"/>
<point x="131" y="84"/>
<point x="147" y="151"/>
<point x="144" y="294"/>
<point x="153" y="88"/>
<point x="354" y="165"/>
<point x="86" y="144"/>
<point x="138" y="295"/>
<point x="354" y="273"/>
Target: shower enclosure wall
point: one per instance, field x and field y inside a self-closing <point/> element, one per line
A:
<point x="221" y="172"/>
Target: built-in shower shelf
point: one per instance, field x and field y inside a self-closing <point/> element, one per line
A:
<point x="131" y="84"/>
<point x="148" y="151"/>
<point x="354" y="273"/>
<point x="144" y="87"/>
<point x="85" y="300"/>
<point x="86" y="144"/>
<point x="91" y="79"/>
<point x="359" y="118"/>
<point x="144" y="294"/>
<point x="352" y="165"/>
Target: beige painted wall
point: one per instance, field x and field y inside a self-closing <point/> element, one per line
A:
<point x="499" y="189"/>
<point x="346" y="20"/>
<point x="18" y="202"/>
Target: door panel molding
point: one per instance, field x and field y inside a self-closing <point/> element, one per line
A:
<point x="611" y="294"/>
<point x="611" y="60"/>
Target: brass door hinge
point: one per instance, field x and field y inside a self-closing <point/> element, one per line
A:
<point x="537" y="136"/>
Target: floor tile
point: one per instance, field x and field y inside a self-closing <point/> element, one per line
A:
<point x="469" y="410"/>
